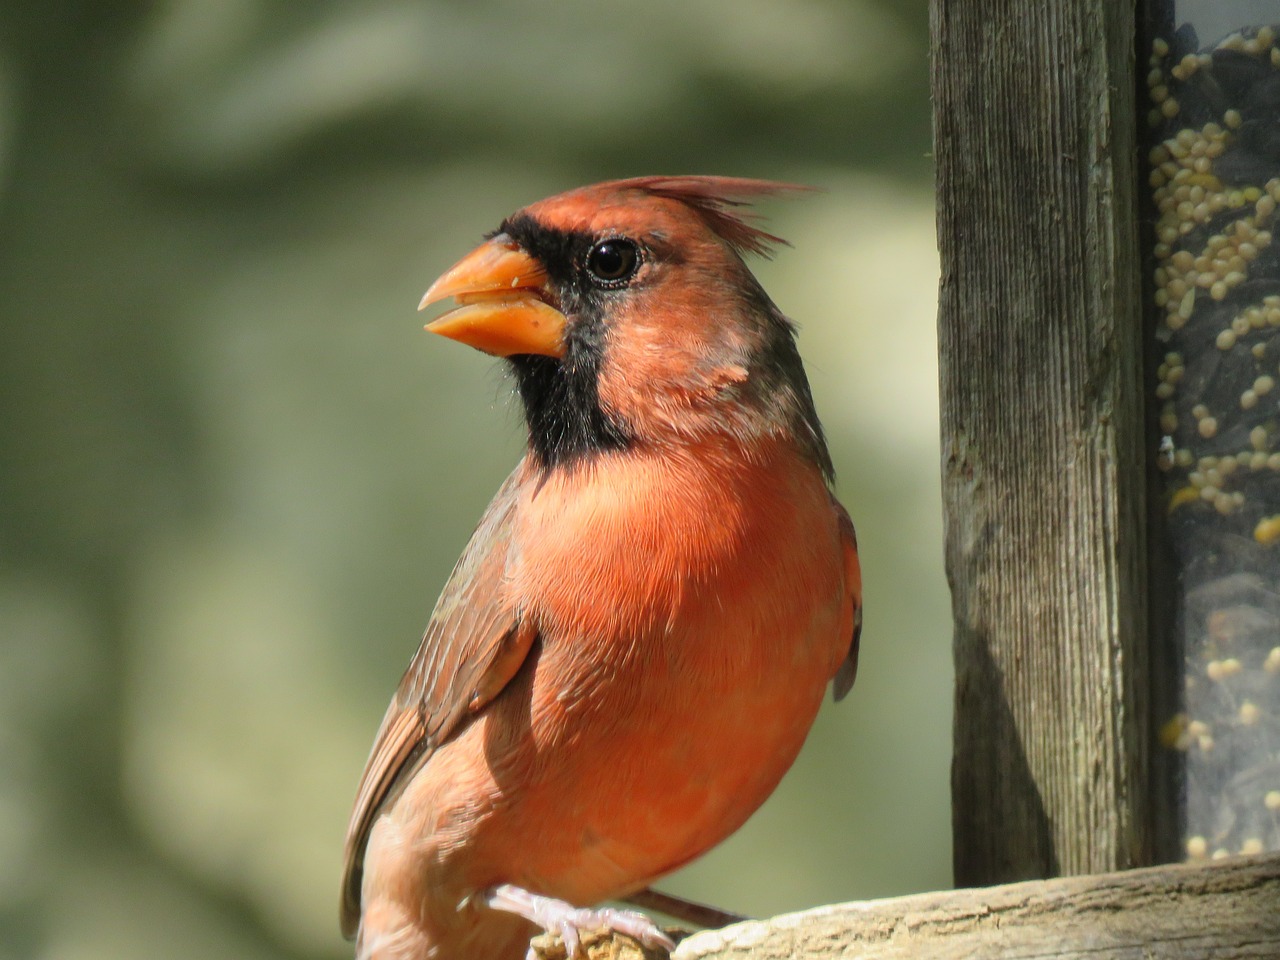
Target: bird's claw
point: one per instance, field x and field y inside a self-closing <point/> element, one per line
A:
<point x="569" y="922"/>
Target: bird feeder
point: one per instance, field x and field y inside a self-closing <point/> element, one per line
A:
<point x="1212" y="274"/>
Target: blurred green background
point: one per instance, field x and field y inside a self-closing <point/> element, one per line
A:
<point x="235" y="473"/>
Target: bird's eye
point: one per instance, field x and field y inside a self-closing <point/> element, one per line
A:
<point x="612" y="263"/>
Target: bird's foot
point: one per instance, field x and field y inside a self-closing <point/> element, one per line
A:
<point x="568" y="922"/>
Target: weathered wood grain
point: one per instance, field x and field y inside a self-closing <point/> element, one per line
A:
<point x="1227" y="910"/>
<point x="1042" y="435"/>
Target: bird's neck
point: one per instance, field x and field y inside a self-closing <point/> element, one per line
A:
<point x="562" y="410"/>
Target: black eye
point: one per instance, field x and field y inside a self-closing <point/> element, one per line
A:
<point x="612" y="263"/>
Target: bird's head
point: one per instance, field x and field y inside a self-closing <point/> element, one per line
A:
<point x="629" y="317"/>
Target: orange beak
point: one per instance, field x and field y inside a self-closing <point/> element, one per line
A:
<point x="500" y="309"/>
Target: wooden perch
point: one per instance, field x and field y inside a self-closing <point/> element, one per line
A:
<point x="1224" y="910"/>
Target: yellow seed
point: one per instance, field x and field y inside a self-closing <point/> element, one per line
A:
<point x="1213" y="670"/>
<point x="1197" y="847"/>
<point x="1200" y="411"/>
<point x="1258" y="438"/>
<point x="1185" y="495"/>
<point x="1272" y="663"/>
<point x="1208" y="427"/>
<point x="1252" y="846"/>
<point x="1226" y="339"/>
<point x="1230" y="667"/>
<point x="1205" y="743"/>
<point x="1183" y="458"/>
<point x="1248" y="399"/>
<point x="1240" y="324"/>
<point x="1186" y="305"/>
<point x="1249" y="713"/>
<point x="1272" y="800"/>
<point x="1221" y="854"/>
<point x="1168" y="422"/>
<point x="1232" y="119"/>
<point x="1169" y="108"/>
<point x="1173" y="730"/>
<point x="1159" y="47"/>
<point x="1273" y="462"/>
<point x="1264" y="385"/>
<point x="1164" y="391"/>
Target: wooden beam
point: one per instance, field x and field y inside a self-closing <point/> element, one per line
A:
<point x="1226" y="910"/>
<point x="1040" y="338"/>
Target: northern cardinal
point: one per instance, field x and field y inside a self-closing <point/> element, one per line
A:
<point x="634" y="644"/>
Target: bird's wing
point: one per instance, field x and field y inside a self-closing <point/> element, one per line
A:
<point x="847" y="672"/>
<point x="473" y="646"/>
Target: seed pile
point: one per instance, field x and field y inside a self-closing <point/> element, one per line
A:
<point x="1214" y="175"/>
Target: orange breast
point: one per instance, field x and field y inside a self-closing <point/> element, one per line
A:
<point x="691" y="612"/>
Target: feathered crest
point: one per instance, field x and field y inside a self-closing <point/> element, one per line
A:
<point x="717" y="200"/>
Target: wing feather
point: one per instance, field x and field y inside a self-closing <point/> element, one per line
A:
<point x="473" y="645"/>
<point x="847" y="672"/>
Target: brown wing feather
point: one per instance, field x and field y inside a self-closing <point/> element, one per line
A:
<point x="842" y="682"/>
<point x="472" y="647"/>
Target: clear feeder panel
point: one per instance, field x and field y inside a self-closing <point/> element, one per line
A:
<point x="1213" y="96"/>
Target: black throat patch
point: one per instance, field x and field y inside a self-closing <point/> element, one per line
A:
<point x="561" y="396"/>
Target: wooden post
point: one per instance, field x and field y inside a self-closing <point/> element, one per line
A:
<point x="1043" y="459"/>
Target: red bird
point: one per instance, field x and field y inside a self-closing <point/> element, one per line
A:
<point x="634" y="644"/>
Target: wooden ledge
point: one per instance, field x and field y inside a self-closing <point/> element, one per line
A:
<point x="1221" y="910"/>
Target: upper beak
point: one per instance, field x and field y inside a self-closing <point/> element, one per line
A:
<point x="500" y="309"/>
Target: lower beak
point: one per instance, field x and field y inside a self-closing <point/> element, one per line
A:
<point x="500" y="309"/>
